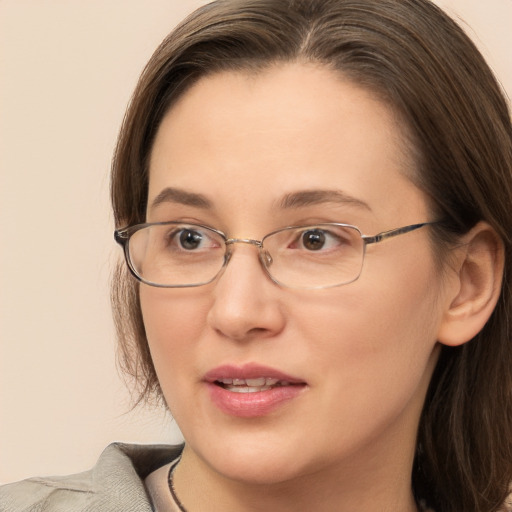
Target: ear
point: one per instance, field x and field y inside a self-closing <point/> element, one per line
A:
<point x="475" y="286"/>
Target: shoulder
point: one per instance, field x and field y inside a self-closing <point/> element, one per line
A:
<point x="115" y="483"/>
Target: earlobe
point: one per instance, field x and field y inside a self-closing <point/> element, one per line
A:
<point x="476" y="286"/>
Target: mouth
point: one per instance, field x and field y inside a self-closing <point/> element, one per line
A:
<point x="251" y="390"/>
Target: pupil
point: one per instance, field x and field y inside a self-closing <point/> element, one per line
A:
<point x="190" y="239"/>
<point x="313" y="240"/>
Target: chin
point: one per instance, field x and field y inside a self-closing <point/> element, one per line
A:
<point x="259" y="471"/>
<point x="263" y="459"/>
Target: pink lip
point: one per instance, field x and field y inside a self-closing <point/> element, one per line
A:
<point x="251" y="405"/>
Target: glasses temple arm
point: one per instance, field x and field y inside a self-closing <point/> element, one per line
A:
<point x="393" y="232"/>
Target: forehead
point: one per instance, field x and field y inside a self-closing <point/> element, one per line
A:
<point x="244" y="138"/>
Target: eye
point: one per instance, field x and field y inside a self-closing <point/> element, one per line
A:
<point x="318" y="239"/>
<point x="313" y="240"/>
<point x="190" y="239"/>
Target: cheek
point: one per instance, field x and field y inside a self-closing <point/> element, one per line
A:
<point x="375" y="340"/>
<point x="369" y="338"/>
<point x="173" y="320"/>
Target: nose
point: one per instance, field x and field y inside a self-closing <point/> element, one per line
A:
<point x="246" y="303"/>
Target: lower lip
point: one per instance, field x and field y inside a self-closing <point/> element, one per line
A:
<point x="252" y="405"/>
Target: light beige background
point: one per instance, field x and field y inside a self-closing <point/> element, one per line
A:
<point x="67" y="69"/>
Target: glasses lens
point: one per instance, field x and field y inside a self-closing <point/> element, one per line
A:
<point x="317" y="256"/>
<point x="173" y="254"/>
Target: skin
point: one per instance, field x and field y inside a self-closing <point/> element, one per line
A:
<point x="366" y="350"/>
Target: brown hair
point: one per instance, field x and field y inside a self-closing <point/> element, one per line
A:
<point x="413" y="55"/>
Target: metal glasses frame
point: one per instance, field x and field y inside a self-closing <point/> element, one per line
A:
<point x="122" y="237"/>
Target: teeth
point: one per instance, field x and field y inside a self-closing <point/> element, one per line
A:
<point x="256" y="384"/>
<point x="247" y="389"/>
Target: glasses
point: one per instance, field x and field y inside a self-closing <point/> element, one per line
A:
<point x="177" y="254"/>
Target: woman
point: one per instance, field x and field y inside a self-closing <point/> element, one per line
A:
<point x="314" y="200"/>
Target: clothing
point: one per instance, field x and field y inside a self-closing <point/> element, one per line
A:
<point x="115" y="483"/>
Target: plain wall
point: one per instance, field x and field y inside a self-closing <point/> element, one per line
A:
<point x="67" y="69"/>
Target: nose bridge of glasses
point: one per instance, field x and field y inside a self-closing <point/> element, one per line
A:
<point x="250" y="241"/>
<point x="264" y="256"/>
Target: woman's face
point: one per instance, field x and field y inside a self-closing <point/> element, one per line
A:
<point x="359" y="356"/>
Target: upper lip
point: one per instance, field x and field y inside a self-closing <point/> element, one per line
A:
<point x="249" y="371"/>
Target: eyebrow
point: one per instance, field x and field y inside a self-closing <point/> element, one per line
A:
<point x="313" y="197"/>
<point x="292" y="200"/>
<point x="180" y="196"/>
